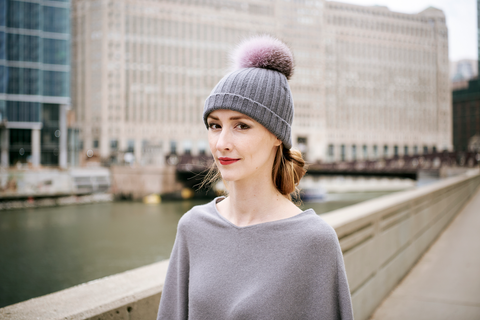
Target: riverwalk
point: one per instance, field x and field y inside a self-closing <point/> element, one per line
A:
<point x="445" y="283"/>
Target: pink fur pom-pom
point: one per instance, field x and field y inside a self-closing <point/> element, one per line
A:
<point x="264" y="52"/>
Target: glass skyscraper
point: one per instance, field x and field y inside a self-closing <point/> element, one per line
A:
<point x="34" y="81"/>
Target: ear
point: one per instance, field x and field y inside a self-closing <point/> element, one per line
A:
<point x="278" y="142"/>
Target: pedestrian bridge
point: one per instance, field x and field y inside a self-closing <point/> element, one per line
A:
<point x="381" y="239"/>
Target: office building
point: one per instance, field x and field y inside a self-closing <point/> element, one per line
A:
<point x="368" y="81"/>
<point x="466" y="110"/>
<point x="34" y="81"/>
<point x="387" y="88"/>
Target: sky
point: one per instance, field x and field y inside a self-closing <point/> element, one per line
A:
<point x="461" y="16"/>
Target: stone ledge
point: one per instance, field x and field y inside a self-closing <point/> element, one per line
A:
<point x="96" y="299"/>
<point x="341" y="217"/>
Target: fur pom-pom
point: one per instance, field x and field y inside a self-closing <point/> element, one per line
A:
<point x="264" y="52"/>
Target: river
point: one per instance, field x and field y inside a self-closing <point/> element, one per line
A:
<point x="43" y="250"/>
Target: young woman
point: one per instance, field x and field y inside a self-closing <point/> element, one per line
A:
<point x="254" y="254"/>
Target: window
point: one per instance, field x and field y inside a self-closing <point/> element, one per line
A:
<point x="55" y="19"/>
<point x="415" y="150"/>
<point x="173" y="147"/>
<point x="187" y="147"/>
<point x="425" y="149"/>
<point x="16" y="81"/>
<point x="114" y="144"/>
<point x="405" y="150"/>
<point x="23" y="48"/>
<point x="395" y="151"/>
<point x="23" y="111"/>
<point x="354" y="152"/>
<point x="375" y="151"/>
<point x="95" y="144"/>
<point x="331" y="151"/>
<point x="202" y="146"/>
<point x="17" y="10"/>
<point x="385" y="151"/>
<point x="55" y="51"/>
<point x="55" y="83"/>
<point x="365" y="152"/>
<point x="302" y="145"/>
<point x="20" y="145"/>
<point x="342" y="152"/>
<point x="131" y="146"/>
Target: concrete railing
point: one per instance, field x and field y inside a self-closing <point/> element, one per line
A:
<point x="381" y="240"/>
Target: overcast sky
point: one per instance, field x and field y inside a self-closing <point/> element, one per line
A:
<point x="461" y="18"/>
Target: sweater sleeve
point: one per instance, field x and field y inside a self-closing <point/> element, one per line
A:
<point x="345" y="308"/>
<point x="174" y="298"/>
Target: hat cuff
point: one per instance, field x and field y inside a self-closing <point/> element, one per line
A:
<point x="257" y="111"/>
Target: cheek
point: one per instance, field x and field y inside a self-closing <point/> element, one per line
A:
<point x="256" y="149"/>
<point x="212" y="141"/>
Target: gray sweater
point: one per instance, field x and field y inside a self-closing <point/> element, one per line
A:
<point x="287" y="269"/>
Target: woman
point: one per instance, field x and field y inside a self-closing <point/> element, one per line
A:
<point x="254" y="254"/>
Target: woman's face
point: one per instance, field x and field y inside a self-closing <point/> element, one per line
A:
<point x="243" y="149"/>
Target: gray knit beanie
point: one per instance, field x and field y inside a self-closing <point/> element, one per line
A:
<point x="258" y="86"/>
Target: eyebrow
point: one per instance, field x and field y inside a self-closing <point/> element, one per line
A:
<point x="232" y="118"/>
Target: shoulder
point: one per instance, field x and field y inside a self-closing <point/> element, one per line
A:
<point x="316" y="231"/>
<point x="197" y="216"/>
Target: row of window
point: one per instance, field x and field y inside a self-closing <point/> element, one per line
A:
<point x="380" y="25"/>
<point x="186" y="144"/>
<point x="34" y="16"/>
<point x="19" y="47"/>
<point x="34" y="82"/>
<point x="374" y="153"/>
<point x="23" y="111"/>
<point x="20" y="146"/>
<point x="384" y="13"/>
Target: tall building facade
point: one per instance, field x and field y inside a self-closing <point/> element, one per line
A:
<point x="364" y="77"/>
<point x="466" y="109"/>
<point x="34" y="81"/>
<point x="387" y="85"/>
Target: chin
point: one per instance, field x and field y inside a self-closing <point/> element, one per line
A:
<point x="230" y="175"/>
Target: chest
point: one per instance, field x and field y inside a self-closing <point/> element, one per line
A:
<point x="242" y="277"/>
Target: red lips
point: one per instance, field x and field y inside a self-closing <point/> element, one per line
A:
<point x="226" y="161"/>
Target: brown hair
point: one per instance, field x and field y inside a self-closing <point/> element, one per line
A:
<point x="287" y="171"/>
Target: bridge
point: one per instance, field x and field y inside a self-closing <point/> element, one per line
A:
<point x="188" y="166"/>
<point x="383" y="241"/>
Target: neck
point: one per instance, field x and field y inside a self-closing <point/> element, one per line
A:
<point x="256" y="202"/>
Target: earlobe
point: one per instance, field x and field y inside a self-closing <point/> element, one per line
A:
<point x="278" y="142"/>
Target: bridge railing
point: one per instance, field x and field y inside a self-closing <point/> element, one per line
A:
<point x="381" y="240"/>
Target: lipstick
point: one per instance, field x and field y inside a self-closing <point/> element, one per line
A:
<point x="226" y="161"/>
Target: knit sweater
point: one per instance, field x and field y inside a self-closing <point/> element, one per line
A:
<point x="289" y="269"/>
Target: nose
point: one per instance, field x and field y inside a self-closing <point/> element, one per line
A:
<point x="224" y="142"/>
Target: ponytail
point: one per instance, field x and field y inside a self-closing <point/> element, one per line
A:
<point x="288" y="169"/>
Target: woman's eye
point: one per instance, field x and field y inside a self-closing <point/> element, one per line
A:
<point x="243" y="126"/>
<point x="213" y="126"/>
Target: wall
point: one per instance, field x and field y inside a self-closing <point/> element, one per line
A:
<point x="21" y="183"/>
<point x="381" y="240"/>
<point x="137" y="182"/>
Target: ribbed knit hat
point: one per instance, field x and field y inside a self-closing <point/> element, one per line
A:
<point x="258" y="86"/>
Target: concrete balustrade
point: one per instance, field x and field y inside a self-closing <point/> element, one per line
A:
<point x="381" y="240"/>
